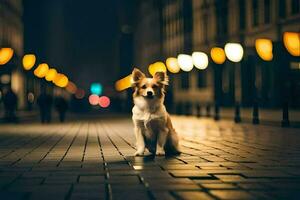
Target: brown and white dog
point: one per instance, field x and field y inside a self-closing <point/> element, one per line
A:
<point x="152" y="124"/>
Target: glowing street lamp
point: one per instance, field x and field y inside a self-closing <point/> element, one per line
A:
<point x="291" y="42"/>
<point x="185" y="62"/>
<point x="172" y="65"/>
<point x="234" y="52"/>
<point x="51" y="74"/>
<point x="28" y="61"/>
<point x="5" y="55"/>
<point x="217" y="54"/>
<point x="264" y="49"/>
<point x="157" y="67"/>
<point x="200" y="60"/>
<point x="41" y="71"/>
<point x="61" y="80"/>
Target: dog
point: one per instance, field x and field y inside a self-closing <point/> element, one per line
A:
<point x="152" y="124"/>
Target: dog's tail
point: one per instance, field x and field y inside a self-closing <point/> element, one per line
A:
<point x="172" y="143"/>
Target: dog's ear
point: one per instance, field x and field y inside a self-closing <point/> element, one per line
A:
<point x="162" y="78"/>
<point x="137" y="75"/>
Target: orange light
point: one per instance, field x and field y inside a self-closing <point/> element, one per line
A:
<point x="5" y="55"/>
<point x="71" y="87"/>
<point x="94" y="99"/>
<point x="291" y="42"/>
<point x="157" y="67"/>
<point x="41" y="71"/>
<point x="172" y="65"/>
<point x="104" y="101"/>
<point x="264" y="49"/>
<point x="28" y="61"/>
<point x="123" y="83"/>
<point x="217" y="54"/>
<point x="61" y="80"/>
<point x="51" y="74"/>
<point x="79" y="93"/>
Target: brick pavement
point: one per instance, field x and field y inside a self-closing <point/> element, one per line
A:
<point x="93" y="160"/>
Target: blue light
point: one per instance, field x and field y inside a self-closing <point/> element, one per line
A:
<point x="96" y="88"/>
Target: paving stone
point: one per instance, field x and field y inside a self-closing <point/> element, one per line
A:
<point x="192" y="195"/>
<point x="231" y="194"/>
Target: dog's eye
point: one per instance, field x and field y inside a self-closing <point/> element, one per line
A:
<point x="155" y="86"/>
<point x="144" y="87"/>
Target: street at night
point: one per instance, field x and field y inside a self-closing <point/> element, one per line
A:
<point x="152" y="99"/>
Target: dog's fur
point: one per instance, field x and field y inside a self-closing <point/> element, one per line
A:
<point x="152" y="124"/>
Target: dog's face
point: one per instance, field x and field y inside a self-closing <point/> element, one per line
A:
<point x="149" y="88"/>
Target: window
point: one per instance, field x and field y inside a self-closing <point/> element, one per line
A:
<point x="255" y="12"/>
<point x="201" y="79"/>
<point x="185" y="80"/>
<point x="242" y="13"/>
<point x="222" y="16"/>
<point x="267" y="12"/>
<point x="295" y="6"/>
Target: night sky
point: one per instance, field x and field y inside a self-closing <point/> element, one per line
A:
<point x="79" y="38"/>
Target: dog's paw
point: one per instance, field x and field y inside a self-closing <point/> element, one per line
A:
<point x="160" y="152"/>
<point x="139" y="153"/>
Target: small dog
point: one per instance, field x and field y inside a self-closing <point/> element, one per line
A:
<point x="152" y="124"/>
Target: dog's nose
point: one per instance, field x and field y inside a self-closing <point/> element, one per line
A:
<point x="149" y="93"/>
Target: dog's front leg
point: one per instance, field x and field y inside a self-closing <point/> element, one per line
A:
<point x="140" y="143"/>
<point x="161" y="141"/>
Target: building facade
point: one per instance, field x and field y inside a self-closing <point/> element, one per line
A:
<point x="198" y="25"/>
<point x="11" y="35"/>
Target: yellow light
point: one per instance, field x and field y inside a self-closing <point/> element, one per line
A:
<point x="51" y="74"/>
<point x="42" y="70"/>
<point x="61" y="80"/>
<point x="291" y="42"/>
<point x="218" y="55"/>
<point x="157" y="67"/>
<point x="185" y="62"/>
<point x="29" y="61"/>
<point x="71" y="87"/>
<point x="5" y="55"/>
<point x="200" y="60"/>
<point x="172" y="65"/>
<point x="234" y="52"/>
<point x="264" y="49"/>
<point x="123" y="83"/>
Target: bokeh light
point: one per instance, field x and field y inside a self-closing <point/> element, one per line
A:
<point x="104" y="101"/>
<point x="218" y="55"/>
<point x="5" y="55"/>
<point x="185" y="62"/>
<point x="94" y="99"/>
<point x="291" y="42"/>
<point x="61" y="80"/>
<point x="157" y="67"/>
<point x="51" y="74"/>
<point x="71" y="87"/>
<point x="30" y="97"/>
<point x="123" y="83"/>
<point x="234" y="52"/>
<point x="172" y="65"/>
<point x="79" y="93"/>
<point x="5" y="79"/>
<point x="200" y="60"/>
<point x="41" y="71"/>
<point x="264" y="49"/>
<point x="28" y="61"/>
<point x="96" y="88"/>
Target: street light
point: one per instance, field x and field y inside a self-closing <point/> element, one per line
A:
<point x="157" y="67"/>
<point x="61" y="80"/>
<point x="264" y="49"/>
<point x="200" y="60"/>
<point x="28" y="61"/>
<point x="217" y="54"/>
<point x="172" y="65"/>
<point x="185" y="62"/>
<point x="291" y="42"/>
<point x="234" y="52"/>
<point x="5" y="55"/>
<point x="41" y="70"/>
<point x="123" y="83"/>
<point x="51" y="74"/>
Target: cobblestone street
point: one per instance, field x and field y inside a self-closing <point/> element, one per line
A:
<point x="92" y="159"/>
